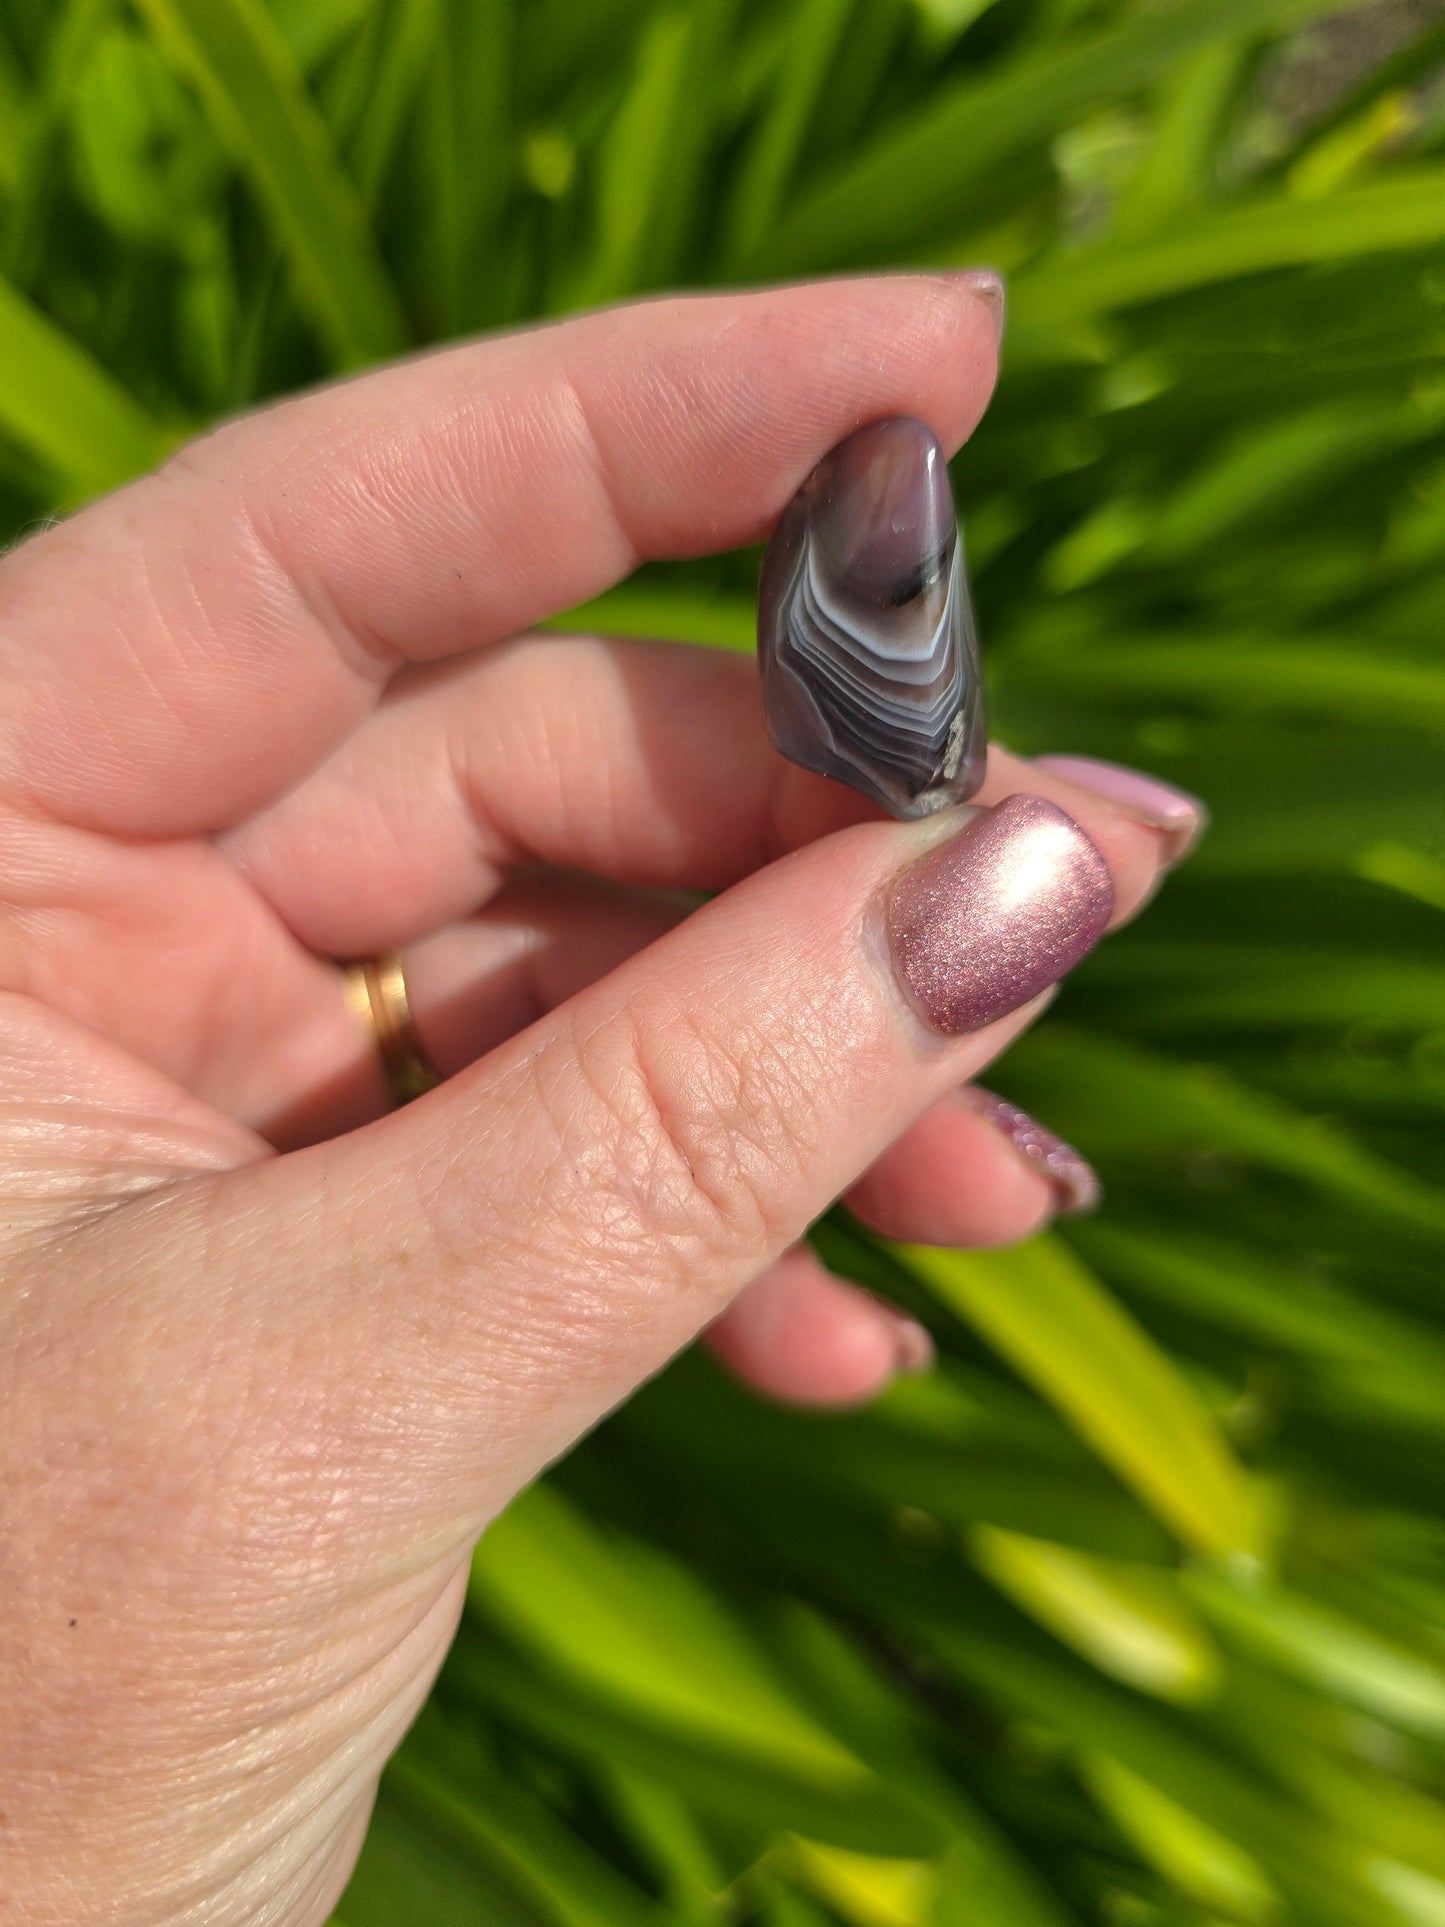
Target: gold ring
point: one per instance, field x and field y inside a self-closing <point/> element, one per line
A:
<point x="376" y="991"/>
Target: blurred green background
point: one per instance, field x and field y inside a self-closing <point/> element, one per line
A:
<point x="1135" y="1612"/>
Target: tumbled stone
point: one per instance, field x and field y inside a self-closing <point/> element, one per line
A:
<point x="865" y="636"/>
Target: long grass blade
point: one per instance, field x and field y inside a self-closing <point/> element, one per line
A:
<point x="915" y="178"/>
<point x="638" y="1628"/>
<point x="1065" y="1333"/>
<point x="1249" y="675"/>
<point x="1406" y="211"/>
<point x="235" y="54"/>
<point x="66" y="410"/>
<point x="1129" y="1621"/>
<point x="652" y="159"/>
<point x="765" y="173"/>
<point x="1117" y="1096"/>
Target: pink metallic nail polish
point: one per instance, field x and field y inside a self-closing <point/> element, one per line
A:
<point x="1181" y="817"/>
<point x="913" y="1347"/>
<point x="989" y="919"/>
<point x="1074" y="1179"/>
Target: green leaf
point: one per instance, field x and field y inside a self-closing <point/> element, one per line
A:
<point x="466" y="158"/>
<point x="1193" y="1855"/>
<point x="661" y="1822"/>
<point x="1227" y="1283"/>
<point x="1130" y="1621"/>
<point x="638" y="1628"/>
<point x="413" y="1868"/>
<point x="37" y="138"/>
<point x="142" y="151"/>
<point x="409" y="43"/>
<point x="235" y="54"/>
<point x="315" y="29"/>
<point x="1315" y="1643"/>
<point x="514" y="1835"/>
<point x="65" y="409"/>
<point x="764" y="174"/>
<point x="735" y="1782"/>
<point x="913" y="178"/>
<point x="1246" y="675"/>
<point x="982" y="1878"/>
<point x="1176" y="172"/>
<point x="652" y="159"/>
<point x="864" y="1888"/>
<point x="14" y="108"/>
<point x="1405" y="211"/>
<point x="1273" y="989"/>
<point x="1325" y="1876"/>
<point x="642" y="609"/>
<point x="951" y="1452"/>
<point x="1063" y="1331"/>
<point x="1116" y="1096"/>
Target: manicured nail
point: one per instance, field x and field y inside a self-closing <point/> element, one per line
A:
<point x="1182" y="817"/>
<point x="913" y="1348"/>
<point x="999" y="912"/>
<point x="989" y="288"/>
<point x="1074" y="1179"/>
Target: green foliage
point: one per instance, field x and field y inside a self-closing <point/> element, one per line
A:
<point x="1135" y="1614"/>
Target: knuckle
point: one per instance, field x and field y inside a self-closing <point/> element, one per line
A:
<point x="704" y="1136"/>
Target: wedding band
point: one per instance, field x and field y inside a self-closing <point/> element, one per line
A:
<point x="376" y="991"/>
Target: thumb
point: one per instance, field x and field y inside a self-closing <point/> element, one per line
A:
<point x="283" y="1398"/>
<point x="449" y="1297"/>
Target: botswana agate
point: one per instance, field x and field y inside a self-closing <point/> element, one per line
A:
<point x="865" y="636"/>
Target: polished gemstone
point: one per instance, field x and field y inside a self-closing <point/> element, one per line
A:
<point x="865" y="636"/>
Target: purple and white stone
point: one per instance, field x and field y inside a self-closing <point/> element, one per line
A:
<point x="866" y="641"/>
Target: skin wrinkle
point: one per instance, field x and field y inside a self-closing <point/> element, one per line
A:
<point x="135" y="896"/>
<point x="592" y="450"/>
<point x="521" y="733"/>
<point x="637" y="1155"/>
<point x="471" y="439"/>
<point x="490" y="850"/>
<point x="520" y="1339"/>
<point x="311" y="1621"/>
<point x="450" y="458"/>
<point x="586" y="828"/>
<point x="248" y="1858"/>
<point x="365" y="655"/>
<point x="563" y="1311"/>
<point x="508" y="442"/>
<point x="260" y="579"/>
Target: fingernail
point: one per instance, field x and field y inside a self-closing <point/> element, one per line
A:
<point x="913" y="1348"/>
<point x="989" y="288"/>
<point x="1074" y="1179"/>
<point x="996" y="914"/>
<point x="1182" y="817"/>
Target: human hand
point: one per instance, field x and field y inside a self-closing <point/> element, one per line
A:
<point x="258" y="713"/>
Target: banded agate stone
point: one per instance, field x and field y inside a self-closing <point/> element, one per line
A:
<point x="865" y="636"/>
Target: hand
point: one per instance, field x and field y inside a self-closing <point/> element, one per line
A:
<point x="257" y="714"/>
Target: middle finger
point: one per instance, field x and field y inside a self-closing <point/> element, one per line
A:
<point x="645" y="763"/>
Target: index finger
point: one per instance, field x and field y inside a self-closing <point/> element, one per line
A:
<point x="186" y="649"/>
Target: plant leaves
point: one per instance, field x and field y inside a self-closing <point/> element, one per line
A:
<point x="65" y="409"/>
<point x="914" y="176"/>
<point x="236" y="56"/>
<point x="1406" y="211"/>
<point x="1062" y="1331"/>
<point x="639" y="1629"/>
<point x="1130" y="1621"/>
